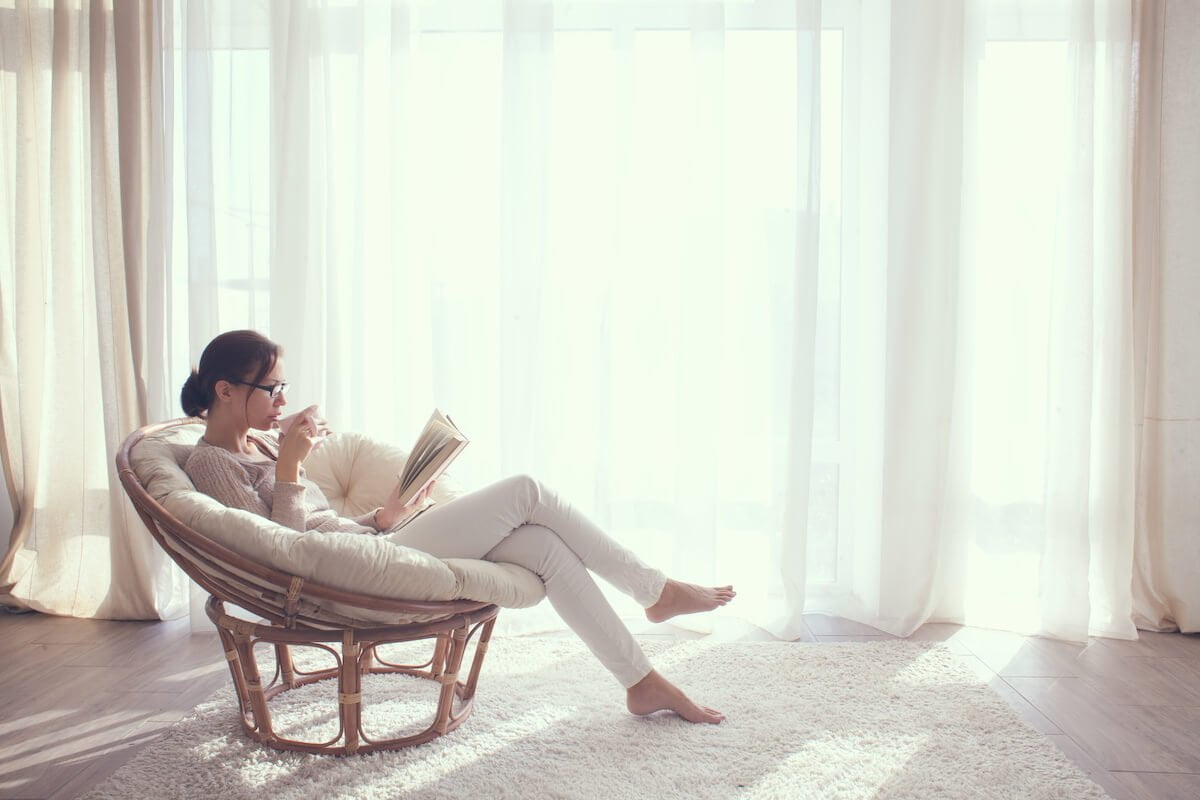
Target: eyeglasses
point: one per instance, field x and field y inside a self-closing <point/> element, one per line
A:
<point x="275" y="389"/>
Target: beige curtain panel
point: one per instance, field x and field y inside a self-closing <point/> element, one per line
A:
<point x="81" y="222"/>
<point x="1166" y="288"/>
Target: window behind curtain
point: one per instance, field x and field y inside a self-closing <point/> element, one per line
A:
<point x="450" y="178"/>
<point x="454" y="90"/>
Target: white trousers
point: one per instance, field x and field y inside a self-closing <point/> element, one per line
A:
<point x="521" y="521"/>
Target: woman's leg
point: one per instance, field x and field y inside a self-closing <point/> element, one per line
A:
<point x="471" y="525"/>
<point x="576" y="598"/>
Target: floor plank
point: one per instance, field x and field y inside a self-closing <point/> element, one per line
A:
<point x="1025" y="710"/>
<point x="1107" y="780"/>
<point x="1122" y="738"/>
<point x="80" y="697"/>
<point x="825" y="625"/>
<point x="947" y="634"/>
<point x="1159" y="786"/>
<point x="1160" y="645"/>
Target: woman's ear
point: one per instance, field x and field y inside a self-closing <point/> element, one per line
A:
<point x="223" y="390"/>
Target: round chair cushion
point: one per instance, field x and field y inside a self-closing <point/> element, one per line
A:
<point x="353" y="471"/>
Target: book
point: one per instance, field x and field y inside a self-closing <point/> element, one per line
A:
<point x="438" y="444"/>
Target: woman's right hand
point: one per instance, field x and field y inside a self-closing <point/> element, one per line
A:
<point x="301" y="436"/>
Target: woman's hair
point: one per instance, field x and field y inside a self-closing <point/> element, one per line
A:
<point x="233" y="356"/>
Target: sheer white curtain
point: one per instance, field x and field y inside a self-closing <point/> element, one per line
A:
<point x="996" y="474"/>
<point x="586" y="230"/>
<point x="829" y="302"/>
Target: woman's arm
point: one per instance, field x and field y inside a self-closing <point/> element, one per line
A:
<point x="220" y="476"/>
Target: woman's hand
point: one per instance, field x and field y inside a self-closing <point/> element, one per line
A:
<point x="394" y="513"/>
<point x="319" y="425"/>
<point x="303" y="432"/>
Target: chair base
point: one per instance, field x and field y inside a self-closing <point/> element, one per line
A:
<point x="357" y="658"/>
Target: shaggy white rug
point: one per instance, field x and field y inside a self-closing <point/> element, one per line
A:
<point x="876" y="720"/>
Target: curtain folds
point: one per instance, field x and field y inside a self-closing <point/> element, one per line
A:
<point x="1166" y="594"/>
<point x="1007" y="482"/>
<point x="82" y="203"/>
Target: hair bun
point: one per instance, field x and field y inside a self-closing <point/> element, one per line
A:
<point x="193" y="398"/>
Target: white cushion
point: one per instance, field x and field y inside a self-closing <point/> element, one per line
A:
<point x="355" y="472"/>
<point x="349" y="468"/>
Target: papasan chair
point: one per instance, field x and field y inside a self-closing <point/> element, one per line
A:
<point x="344" y="593"/>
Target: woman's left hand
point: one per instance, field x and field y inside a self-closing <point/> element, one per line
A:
<point x="393" y="513"/>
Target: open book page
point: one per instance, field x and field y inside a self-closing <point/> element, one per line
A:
<point x="438" y="431"/>
<point x="438" y="444"/>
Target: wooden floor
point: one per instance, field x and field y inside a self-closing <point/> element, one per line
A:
<point x="80" y="697"/>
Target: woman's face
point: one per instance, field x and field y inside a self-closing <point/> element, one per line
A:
<point x="262" y="410"/>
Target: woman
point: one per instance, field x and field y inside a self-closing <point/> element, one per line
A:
<point x="239" y="385"/>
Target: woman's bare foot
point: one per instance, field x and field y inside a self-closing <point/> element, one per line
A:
<point x="687" y="598"/>
<point x="656" y="693"/>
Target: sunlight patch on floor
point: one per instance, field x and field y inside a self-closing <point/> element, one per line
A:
<point x="847" y="765"/>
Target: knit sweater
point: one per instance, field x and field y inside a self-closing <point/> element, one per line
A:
<point x="248" y="482"/>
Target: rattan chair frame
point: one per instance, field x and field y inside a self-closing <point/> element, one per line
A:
<point x="294" y="613"/>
